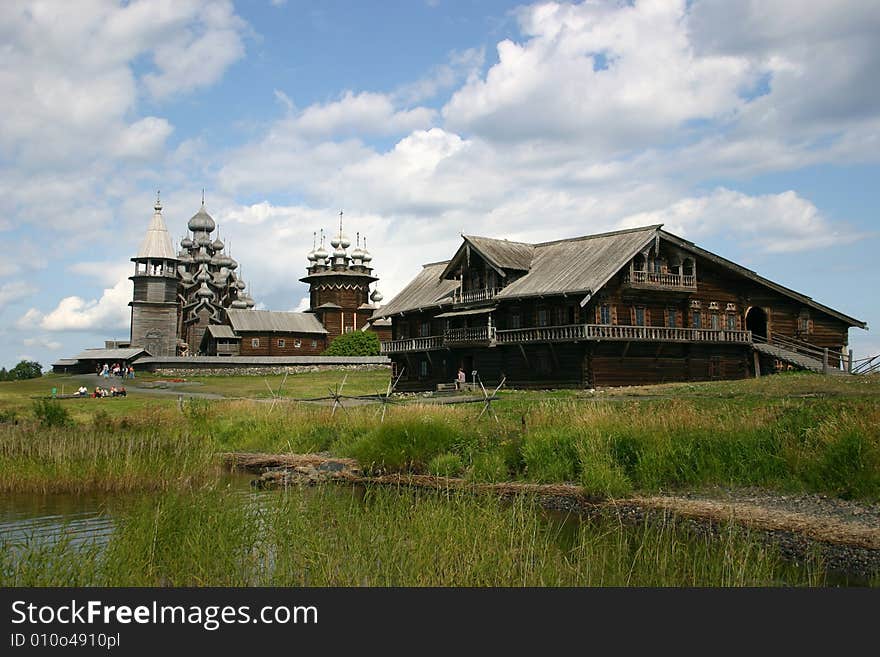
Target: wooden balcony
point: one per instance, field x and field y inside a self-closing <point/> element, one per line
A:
<point x="473" y="336"/>
<point x="576" y="332"/>
<point x="467" y="296"/>
<point x="487" y="336"/>
<point x="429" y="343"/>
<point x="647" y="280"/>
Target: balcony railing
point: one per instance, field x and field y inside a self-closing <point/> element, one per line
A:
<point x="665" y="334"/>
<point x="543" y="334"/>
<point x="411" y="344"/>
<point x="472" y="335"/>
<point x="489" y="336"/>
<point x="653" y="279"/>
<point x="611" y="332"/>
<point x="466" y="296"/>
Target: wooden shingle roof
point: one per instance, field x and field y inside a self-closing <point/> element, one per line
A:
<point x="269" y="321"/>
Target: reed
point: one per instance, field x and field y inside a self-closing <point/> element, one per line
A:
<point x="328" y="536"/>
<point x="104" y="459"/>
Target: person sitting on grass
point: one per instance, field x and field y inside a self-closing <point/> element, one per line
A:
<point x="82" y="392"/>
<point x="121" y="392"/>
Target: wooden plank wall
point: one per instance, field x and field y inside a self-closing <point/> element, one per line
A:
<point x="269" y="345"/>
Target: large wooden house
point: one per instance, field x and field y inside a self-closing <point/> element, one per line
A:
<point x="628" y="307"/>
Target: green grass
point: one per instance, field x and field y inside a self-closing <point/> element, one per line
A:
<point x="788" y="433"/>
<point x="330" y="536"/>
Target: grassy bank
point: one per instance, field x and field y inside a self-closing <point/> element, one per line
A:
<point x="145" y="453"/>
<point x="824" y="437"/>
<point x="331" y="536"/>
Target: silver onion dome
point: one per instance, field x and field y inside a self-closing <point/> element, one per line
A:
<point x="239" y="304"/>
<point x="204" y="292"/>
<point x="217" y="244"/>
<point x="376" y="296"/>
<point x="201" y="221"/>
<point x="186" y="243"/>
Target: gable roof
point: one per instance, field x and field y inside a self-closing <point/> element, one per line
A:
<point x="222" y="331"/>
<point x="425" y="290"/>
<point x="579" y="265"/>
<point x="500" y="254"/>
<point x="270" y="321"/>
<point x="112" y="354"/>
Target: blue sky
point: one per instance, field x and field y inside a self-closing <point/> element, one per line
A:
<point x="752" y="128"/>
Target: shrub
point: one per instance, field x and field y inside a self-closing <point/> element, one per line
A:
<point x="357" y="343"/>
<point x="446" y="464"/>
<point x="402" y="445"/>
<point x="51" y="413"/>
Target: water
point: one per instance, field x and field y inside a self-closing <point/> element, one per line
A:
<point x="79" y="519"/>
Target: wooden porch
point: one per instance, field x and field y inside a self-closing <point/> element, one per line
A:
<point x="489" y="336"/>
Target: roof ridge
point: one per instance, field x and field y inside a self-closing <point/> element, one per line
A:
<point x="610" y="233"/>
<point x="439" y="262"/>
<point x="496" y="239"/>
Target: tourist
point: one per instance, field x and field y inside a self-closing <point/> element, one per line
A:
<point x="105" y="371"/>
<point x="82" y="392"/>
<point x="121" y="392"/>
<point x="459" y="384"/>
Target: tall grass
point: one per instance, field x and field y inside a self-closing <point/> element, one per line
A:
<point x="104" y="459"/>
<point x="380" y="537"/>
<point x="825" y="445"/>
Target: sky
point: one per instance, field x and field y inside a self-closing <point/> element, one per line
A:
<point x="751" y="128"/>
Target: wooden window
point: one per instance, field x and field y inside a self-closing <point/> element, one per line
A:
<point x="572" y="315"/>
<point x="255" y="342"/>
<point x="297" y="343"/>
<point x="696" y="319"/>
<point x="281" y="342"/>
<point x="671" y="317"/>
<point x="542" y="317"/>
<point x="425" y="329"/>
<point x="314" y="344"/>
<point x="403" y="331"/>
<point x="805" y="324"/>
<point x="716" y="322"/>
<point x="349" y="329"/>
<point x="515" y="319"/>
<point x="731" y="322"/>
<point x="605" y="313"/>
<point x="423" y="369"/>
<point x="639" y="315"/>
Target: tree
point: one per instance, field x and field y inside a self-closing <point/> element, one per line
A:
<point x="26" y="369"/>
<point x="357" y="343"/>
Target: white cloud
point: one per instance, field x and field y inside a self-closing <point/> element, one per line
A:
<point x="42" y="342"/>
<point x="68" y="85"/>
<point x="609" y="76"/>
<point x="14" y="291"/>
<point x="74" y="313"/>
<point x="771" y="223"/>
<point x="108" y="272"/>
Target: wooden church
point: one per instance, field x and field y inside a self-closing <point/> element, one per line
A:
<point x="629" y="307"/>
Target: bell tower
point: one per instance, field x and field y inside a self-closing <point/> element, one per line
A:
<point x="154" y="302"/>
<point x="339" y="284"/>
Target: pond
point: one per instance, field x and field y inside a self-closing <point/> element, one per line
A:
<point x="229" y="534"/>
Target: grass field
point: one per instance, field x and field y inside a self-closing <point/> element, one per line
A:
<point x="791" y="432"/>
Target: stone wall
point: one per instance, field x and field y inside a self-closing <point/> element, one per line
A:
<point x="264" y="370"/>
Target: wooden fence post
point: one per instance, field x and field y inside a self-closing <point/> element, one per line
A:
<point x="825" y="360"/>
<point x="849" y="366"/>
